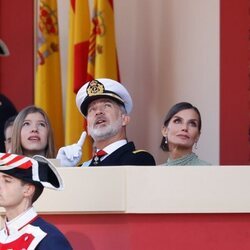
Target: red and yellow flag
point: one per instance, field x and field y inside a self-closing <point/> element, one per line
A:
<point x="90" y="56"/>
<point x="48" y="90"/>
<point x="102" y="61"/>
<point x="79" y="32"/>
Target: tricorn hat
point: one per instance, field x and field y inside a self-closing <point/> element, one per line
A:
<point x="37" y="170"/>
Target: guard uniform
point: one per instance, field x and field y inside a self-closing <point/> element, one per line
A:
<point x="28" y="231"/>
<point x="126" y="155"/>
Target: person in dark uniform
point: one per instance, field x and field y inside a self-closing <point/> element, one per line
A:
<point x="106" y="104"/>
<point x="22" y="180"/>
<point x="7" y="110"/>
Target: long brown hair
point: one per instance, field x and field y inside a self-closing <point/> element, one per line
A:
<point x="16" y="146"/>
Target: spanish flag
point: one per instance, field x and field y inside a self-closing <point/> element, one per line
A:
<point x="79" y="32"/>
<point x="48" y="90"/>
<point x="102" y="59"/>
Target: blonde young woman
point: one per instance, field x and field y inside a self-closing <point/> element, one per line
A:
<point x="32" y="134"/>
<point x="181" y="131"/>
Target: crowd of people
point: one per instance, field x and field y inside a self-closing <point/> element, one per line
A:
<point x="106" y="104"/>
<point x="28" y="139"/>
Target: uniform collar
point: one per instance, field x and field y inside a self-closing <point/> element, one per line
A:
<point x="114" y="146"/>
<point x="20" y="221"/>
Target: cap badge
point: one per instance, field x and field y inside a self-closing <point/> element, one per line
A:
<point x="95" y="88"/>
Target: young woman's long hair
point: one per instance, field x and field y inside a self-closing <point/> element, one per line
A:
<point x="16" y="145"/>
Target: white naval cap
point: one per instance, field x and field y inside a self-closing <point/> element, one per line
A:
<point x="103" y="87"/>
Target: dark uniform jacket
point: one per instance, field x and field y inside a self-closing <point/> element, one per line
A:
<point x="127" y="155"/>
<point x="54" y="238"/>
<point x="29" y="231"/>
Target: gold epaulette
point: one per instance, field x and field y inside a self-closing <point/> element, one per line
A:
<point x="138" y="151"/>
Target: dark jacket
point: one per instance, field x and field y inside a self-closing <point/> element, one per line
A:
<point x="127" y="155"/>
<point x="54" y="238"/>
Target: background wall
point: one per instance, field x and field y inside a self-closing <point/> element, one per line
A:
<point x="168" y="52"/>
<point x="155" y="231"/>
<point x="234" y="83"/>
<point x="17" y="70"/>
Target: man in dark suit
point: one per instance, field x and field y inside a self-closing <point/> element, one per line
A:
<point x="106" y="104"/>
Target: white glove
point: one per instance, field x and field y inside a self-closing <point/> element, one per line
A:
<point x="72" y="154"/>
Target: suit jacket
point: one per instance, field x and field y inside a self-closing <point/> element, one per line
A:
<point x="127" y="155"/>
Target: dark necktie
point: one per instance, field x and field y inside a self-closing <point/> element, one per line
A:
<point x="97" y="156"/>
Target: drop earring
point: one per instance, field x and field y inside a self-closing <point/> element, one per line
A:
<point x="195" y="145"/>
<point x="166" y="140"/>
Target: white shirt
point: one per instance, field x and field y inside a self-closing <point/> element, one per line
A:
<point x="108" y="149"/>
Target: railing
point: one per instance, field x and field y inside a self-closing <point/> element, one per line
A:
<point x="150" y="189"/>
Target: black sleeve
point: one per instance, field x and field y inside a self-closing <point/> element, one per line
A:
<point x="142" y="158"/>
